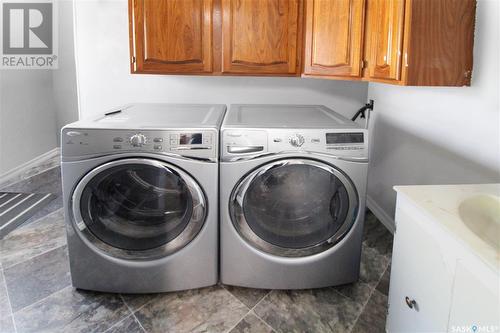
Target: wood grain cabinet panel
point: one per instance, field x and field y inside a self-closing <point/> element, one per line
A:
<point x="384" y="39"/>
<point x="439" y="40"/>
<point x="261" y="36"/>
<point x="419" y="42"/>
<point x="404" y="42"/>
<point x="334" y="37"/>
<point x="171" y="36"/>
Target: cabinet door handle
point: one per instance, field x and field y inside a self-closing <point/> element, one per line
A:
<point x="410" y="302"/>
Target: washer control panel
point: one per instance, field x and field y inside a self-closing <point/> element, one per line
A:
<point x="351" y="143"/>
<point x="194" y="143"/>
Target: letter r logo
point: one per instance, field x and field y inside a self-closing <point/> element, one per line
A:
<point x="27" y="28"/>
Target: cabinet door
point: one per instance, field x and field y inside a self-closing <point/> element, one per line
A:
<point x="334" y="37"/>
<point x="476" y="298"/>
<point x="420" y="271"/>
<point x="384" y="31"/>
<point x="171" y="36"/>
<point x="261" y="36"/>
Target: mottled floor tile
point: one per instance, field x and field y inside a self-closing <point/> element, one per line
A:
<point x="247" y="296"/>
<point x="42" y="167"/>
<point x="359" y="292"/>
<point x="127" y="325"/>
<point x="316" y="310"/>
<point x="51" y="207"/>
<point x="210" y="309"/>
<point x="373" y="265"/>
<point x="374" y="315"/>
<point x="26" y="206"/>
<point x="7" y="324"/>
<point x="71" y="310"/>
<point x="46" y="182"/>
<point x="252" y="324"/>
<point x="5" y="309"/>
<point x="376" y="235"/>
<point x="135" y="301"/>
<point x="383" y="285"/>
<point x="31" y="240"/>
<point x="37" y="278"/>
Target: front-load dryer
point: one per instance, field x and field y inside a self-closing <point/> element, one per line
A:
<point x="292" y="196"/>
<point x="140" y="188"/>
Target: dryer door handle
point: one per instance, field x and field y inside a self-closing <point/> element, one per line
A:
<point x="244" y="149"/>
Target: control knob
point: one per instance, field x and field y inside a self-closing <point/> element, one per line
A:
<point x="137" y="140"/>
<point x="296" y="140"/>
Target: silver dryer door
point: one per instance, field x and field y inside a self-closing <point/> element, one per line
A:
<point x="294" y="207"/>
<point x="138" y="208"/>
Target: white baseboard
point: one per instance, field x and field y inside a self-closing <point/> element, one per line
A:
<point x="11" y="175"/>
<point x="380" y="213"/>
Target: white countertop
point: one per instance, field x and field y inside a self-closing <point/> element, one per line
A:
<point x="441" y="203"/>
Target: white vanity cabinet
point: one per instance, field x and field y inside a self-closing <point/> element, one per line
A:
<point x="438" y="284"/>
<point x="421" y="282"/>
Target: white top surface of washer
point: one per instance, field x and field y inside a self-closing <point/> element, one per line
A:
<point x="159" y="116"/>
<point x="285" y="116"/>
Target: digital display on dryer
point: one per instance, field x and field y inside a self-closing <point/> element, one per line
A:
<point x="190" y="139"/>
<point x="343" y="138"/>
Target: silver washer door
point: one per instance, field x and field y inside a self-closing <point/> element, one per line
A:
<point x="138" y="208"/>
<point x="294" y="207"/>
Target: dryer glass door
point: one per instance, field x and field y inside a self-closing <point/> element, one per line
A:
<point x="294" y="207"/>
<point x="137" y="208"/>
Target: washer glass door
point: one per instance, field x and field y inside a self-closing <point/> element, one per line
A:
<point x="294" y="207"/>
<point x="135" y="208"/>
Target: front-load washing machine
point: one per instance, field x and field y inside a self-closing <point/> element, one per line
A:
<point x="140" y="188"/>
<point x="292" y="196"/>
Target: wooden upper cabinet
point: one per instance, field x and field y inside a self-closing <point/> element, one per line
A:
<point x="384" y="38"/>
<point x="419" y="42"/>
<point x="171" y="36"/>
<point x="404" y="42"/>
<point x="334" y="37"/>
<point x="439" y="42"/>
<point x="261" y="36"/>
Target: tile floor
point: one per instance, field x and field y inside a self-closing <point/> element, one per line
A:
<point x="36" y="293"/>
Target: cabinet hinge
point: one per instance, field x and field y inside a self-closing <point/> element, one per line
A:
<point x="133" y="60"/>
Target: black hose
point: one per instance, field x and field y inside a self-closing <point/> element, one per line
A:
<point x="361" y="112"/>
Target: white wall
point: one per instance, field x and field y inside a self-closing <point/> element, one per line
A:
<point x="439" y="135"/>
<point x="64" y="78"/>
<point x="104" y="78"/>
<point x="27" y="120"/>
<point x="34" y="104"/>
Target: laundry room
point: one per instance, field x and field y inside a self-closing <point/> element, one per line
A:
<point x="250" y="166"/>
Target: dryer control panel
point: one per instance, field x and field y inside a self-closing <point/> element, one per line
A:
<point x="189" y="143"/>
<point x="352" y="143"/>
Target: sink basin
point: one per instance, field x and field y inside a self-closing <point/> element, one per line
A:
<point x="481" y="214"/>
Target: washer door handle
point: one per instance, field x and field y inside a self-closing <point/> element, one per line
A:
<point x="244" y="149"/>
